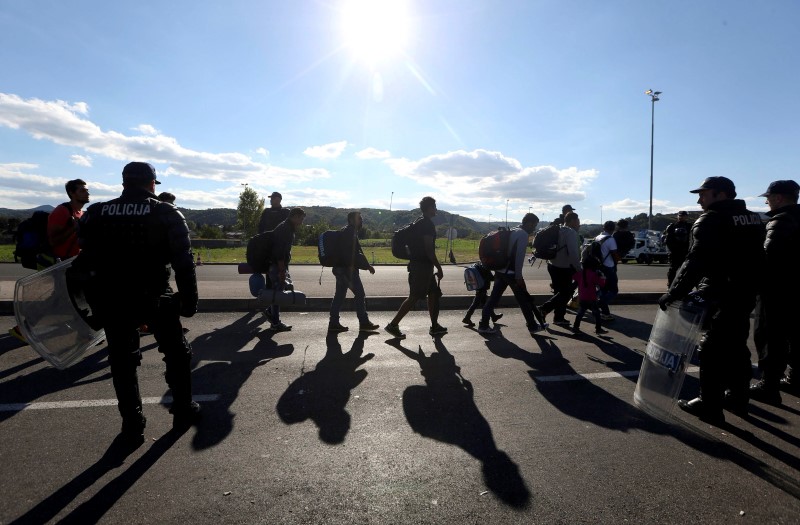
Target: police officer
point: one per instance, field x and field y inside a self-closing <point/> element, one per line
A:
<point x="724" y="262"/>
<point x="128" y="245"/>
<point x="676" y="237"/>
<point x="776" y="337"/>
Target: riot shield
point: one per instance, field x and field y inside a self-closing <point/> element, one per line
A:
<point x="53" y="315"/>
<point x="673" y="340"/>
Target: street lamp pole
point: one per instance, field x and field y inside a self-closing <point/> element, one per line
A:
<point x="506" y="214"/>
<point x="654" y="98"/>
<point x="390" y="201"/>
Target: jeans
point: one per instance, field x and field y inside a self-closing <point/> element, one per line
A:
<point x="501" y="282"/>
<point x="562" y="288"/>
<point x="610" y="290"/>
<point x="348" y="280"/>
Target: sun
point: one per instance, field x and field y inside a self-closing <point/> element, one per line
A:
<point x="375" y="30"/>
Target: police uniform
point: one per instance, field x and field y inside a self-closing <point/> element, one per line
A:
<point x="776" y="337"/>
<point x="677" y="241"/>
<point x="128" y="245"/>
<point x="724" y="262"/>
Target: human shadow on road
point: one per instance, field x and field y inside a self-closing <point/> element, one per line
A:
<point x="27" y="388"/>
<point x="228" y="369"/>
<point x="322" y="394"/>
<point x="444" y="409"/>
<point x="93" y="509"/>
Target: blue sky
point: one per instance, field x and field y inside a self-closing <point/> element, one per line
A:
<point x="485" y="105"/>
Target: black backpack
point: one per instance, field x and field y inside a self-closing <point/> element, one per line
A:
<point x="404" y="241"/>
<point x="545" y="244"/>
<point x="625" y="241"/>
<point x="493" y="250"/>
<point x="32" y="249"/>
<point x="329" y="248"/>
<point x="259" y="251"/>
<point x="592" y="254"/>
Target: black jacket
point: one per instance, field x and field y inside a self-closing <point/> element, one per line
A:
<point x="726" y="256"/>
<point x="351" y="255"/>
<point x="782" y="247"/>
<point x="677" y="237"/>
<point x="271" y="218"/>
<point x="129" y="243"/>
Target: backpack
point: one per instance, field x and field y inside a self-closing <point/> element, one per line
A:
<point x="259" y="251"/>
<point x="403" y="241"/>
<point x="493" y="250"/>
<point x="32" y="249"/>
<point x="592" y="254"/>
<point x="545" y="244"/>
<point x="476" y="277"/>
<point x="625" y="241"/>
<point x="328" y="248"/>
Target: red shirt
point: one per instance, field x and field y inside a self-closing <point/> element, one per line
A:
<point x="62" y="217"/>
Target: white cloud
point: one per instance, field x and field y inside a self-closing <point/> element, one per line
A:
<point x="62" y="123"/>
<point x="81" y="160"/>
<point x="146" y="129"/>
<point x="263" y="152"/>
<point x="485" y="179"/>
<point x="326" y="151"/>
<point x="372" y="153"/>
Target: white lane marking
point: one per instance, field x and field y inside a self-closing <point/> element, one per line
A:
<point x="49" y="405"/>
<point x="597" y="375"/>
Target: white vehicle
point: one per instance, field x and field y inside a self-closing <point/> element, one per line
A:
<point x="647" y="249"/>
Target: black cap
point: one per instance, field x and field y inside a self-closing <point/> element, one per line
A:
<point x="683" y="213"/>
<point x="782" y="187"/>
<point x="717" y="183"/>
<point x="566" y="208"/>
<point x="139" y="171"/>
<point x="276" y="194"/>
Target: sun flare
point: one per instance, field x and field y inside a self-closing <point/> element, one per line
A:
<point x="375" y="30"/>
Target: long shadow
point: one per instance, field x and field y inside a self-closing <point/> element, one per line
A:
<point x="27" y="388"/>
<point x="444" y="409"/>
<point x="322" y="394"/>
<point x="92" y="510"/>
<point x="229" y="369"/>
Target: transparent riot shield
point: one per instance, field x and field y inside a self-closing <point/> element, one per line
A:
<point x="53" y="315"/>
<point x="673" y="340"/>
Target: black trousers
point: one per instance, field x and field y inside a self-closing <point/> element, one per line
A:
<point x="724" y="356"/>
<point x="776" y="338"/>
<point x="121" y="321"/>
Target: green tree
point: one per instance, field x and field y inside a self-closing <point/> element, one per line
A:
<point x="210" y="231"/>
<point x="249" y="211"/>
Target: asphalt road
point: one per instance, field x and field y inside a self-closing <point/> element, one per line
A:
<point x="304" y="427"/>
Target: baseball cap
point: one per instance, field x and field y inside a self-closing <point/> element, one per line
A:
<point x="567" y="208"/>
<point x="716" y="183"/>
<point x="139" y="171"/>
<point x="276" y="194"/>
<point x="782" y="187"/>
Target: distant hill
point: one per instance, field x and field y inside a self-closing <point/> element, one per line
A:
<point x="377" y="220"/>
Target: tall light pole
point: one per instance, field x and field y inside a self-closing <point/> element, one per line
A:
<point x="654" y="98"/>
<point x="506" y="214"/>
<point x="390" y="201"/>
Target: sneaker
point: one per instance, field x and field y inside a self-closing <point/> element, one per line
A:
<point x="279" y="327"/>
<point x="606" y="317"/>
<point x="600" y="331"/>
<point x="561" y="322"/>
<point x="394" y="330"/>
<point x="496" y="317"/>
<point x="337" y="327"/>
<point x="486" y="329"/>
<point x="468" y="322"/>
<point x="16" y="333"/>
<point x="535" y="329"/>
<point x="766" y="393"/>
<point x="437" y="329"/>
<point x="790" y="384"/>
<point x="368" y="327"/>
<point x="185" y="415"/>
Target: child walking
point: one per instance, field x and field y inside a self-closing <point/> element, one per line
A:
<point x="481" y="295"/>
<point x="589" y="279"/>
